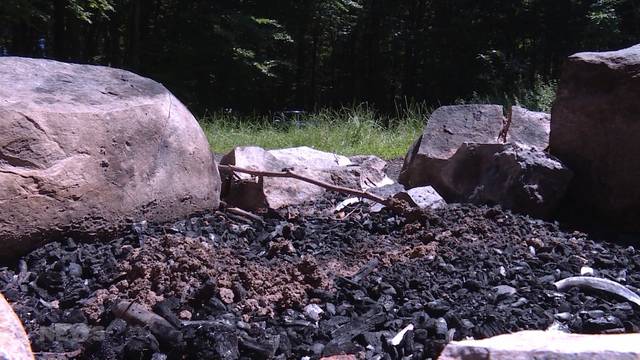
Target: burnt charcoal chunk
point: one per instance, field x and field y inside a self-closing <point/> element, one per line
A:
<point x="140" y="344"/>
<point x="373" y="339"/>
<point x="226" y="346"/>
<point x="334" y="348"/>
<point x="265" y="349"/>
<point x="472" y="285"/>
<point x="438" y="308"/>
<point x="601" y="324"/>
<point x="74" y="270"/>
<point x="51" y="281"/>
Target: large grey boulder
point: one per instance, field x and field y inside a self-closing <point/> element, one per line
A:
<point x="471" y="153"/>
<point x="521" y="179"/>
<point x="87" y="149"/>
<point x="533" y="345"/>
<point x="447" y="129"/>
<point x="252" y="193"/>
<point x="595" y="129"/>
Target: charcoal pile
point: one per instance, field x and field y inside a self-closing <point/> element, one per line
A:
<point x="307" y="282"/>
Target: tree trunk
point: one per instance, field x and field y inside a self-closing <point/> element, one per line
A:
<point x="134" y="35"/>
<point x="301" y="61"/>
<point x="314" y="70"/>
<point x="59" y="29"/>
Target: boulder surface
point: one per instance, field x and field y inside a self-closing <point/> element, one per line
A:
<point x="531" y="345"/>
<point x="447" y="129"/>
<point x="87" y="149"/>
<point x="595" y="129"/>
<point x="251" y="193"/>
<point x="14" y="342"/>
<point x="529" y="128"/>
<point x="524" y="180"/>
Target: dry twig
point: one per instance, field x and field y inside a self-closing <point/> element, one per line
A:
<point x="290" y="174"/>
<point x="395" y="205"/>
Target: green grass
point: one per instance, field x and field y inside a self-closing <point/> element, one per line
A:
<point x="348" y="131"/>
<point x="358" y="130"/>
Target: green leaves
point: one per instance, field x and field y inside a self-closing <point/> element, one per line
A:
<point x="85" y="10"/>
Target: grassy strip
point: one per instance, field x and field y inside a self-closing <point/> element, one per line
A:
<point x="356" y="130"/>
<point x="348" y="131"/>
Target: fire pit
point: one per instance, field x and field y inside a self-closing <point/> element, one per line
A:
<point x="304" y="281"/>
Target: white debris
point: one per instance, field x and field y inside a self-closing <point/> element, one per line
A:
<point x="313" y="312"/>
<point x="503" y="271"/>
<point x="587" y="271"/>
<point x="348" y="202"/>
<point x="396" y="340"/>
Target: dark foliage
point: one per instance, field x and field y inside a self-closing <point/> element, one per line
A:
<point x="270" y="55"/>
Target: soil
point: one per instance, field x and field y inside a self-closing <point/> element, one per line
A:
<point x="230" y="288"/>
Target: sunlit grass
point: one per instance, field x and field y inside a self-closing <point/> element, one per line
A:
<point x="347" y="131"/>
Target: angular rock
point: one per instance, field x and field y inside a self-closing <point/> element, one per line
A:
<point x="14" y="343"/>
<point x="595" y="129"/>
<point x="529" y="128"/>
<point x="308" y="157"/>
<point x="88" y="149"/>
<point x="523" y="180"/>
<point x="249" y="193"/>
<point x="424" y="197"/>
<point x="447" y="129"/>
<point x="546" y="345"/>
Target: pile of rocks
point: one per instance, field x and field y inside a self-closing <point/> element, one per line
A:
<point x="587" y="148"/>
<point x="594" y="130"/>
<point x="256" y="193"/>
<point x="472" y="153"/>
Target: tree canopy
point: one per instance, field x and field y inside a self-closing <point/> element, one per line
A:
<point x="259" y="56"/>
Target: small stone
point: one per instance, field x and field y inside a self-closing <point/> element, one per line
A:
<point x="226" y="295"/>
<point x="521" y="302"/>
<point x="547" y="279"/>
<point x="602" y="324"/>
<point x="587" y="271"/>
<point x="185" y="315"/>
<point x="503" y="271"/>
<point x="317" y="348"/>
<point x="442" y="329"/>
<point x="340" y="357"/>
<point x="472" y="285"/>
<point x="437" y="308"/>
<point x="331" y="309"/>
<point x="313" y="312"/>
<point x="504" y="291"/>
<point x="565" y="316"/>
<point x="467" y="324"/>
<point x="74" y="269"/>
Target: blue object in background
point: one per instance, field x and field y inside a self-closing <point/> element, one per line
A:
<point x="42" y="46"/>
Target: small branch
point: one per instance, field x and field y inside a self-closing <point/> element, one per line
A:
<point x="290" y="174"/>
<point x="58" y="356"/>
<point x="242" y="213"/>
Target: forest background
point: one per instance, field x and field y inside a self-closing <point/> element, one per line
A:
<point x="243" y="59"/>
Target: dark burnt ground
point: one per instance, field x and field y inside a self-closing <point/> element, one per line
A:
<point x="237" y="290"/>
